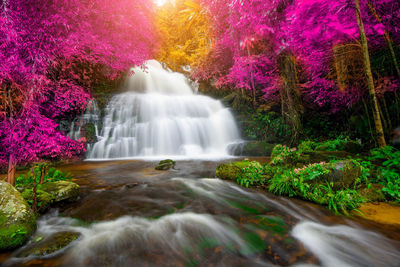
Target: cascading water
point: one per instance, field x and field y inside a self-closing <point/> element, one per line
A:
<point x="160" y="115"/>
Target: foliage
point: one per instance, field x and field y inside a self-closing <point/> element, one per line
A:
<point x="308" y="182"/>
<point x="184" y="34"/>
<point x="251" y="175"/>
<point x="47" y="55"/>
<point x="50" y="175"/>
<point x="387" y="171"/>
<point x="282" y="154"/>
<point x="266" y="125"/>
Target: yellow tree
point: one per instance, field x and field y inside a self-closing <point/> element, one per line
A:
<point x="184" y="32"/>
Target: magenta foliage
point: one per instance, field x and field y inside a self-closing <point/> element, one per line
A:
<point x="256" y="32"/>
<point x="35" y="36"/>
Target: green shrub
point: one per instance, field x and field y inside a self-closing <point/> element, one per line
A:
<point x="252" y="175"/>
<point x="387" y="170"/>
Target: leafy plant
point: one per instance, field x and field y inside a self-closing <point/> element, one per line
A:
<point x="252" y="175"/>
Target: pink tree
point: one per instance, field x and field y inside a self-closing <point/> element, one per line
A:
<point x="34" y="37"/>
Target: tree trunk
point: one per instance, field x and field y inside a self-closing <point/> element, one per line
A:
<point x="42" y="173"/>
<point x="388" y="39"/>
<point x="370" y="79"/>
<point x="34" y="191"/>
<point x="290" y="98"/>
<point x="12" y="166"/>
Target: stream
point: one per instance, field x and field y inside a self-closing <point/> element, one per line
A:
<point x="132" y="215"/>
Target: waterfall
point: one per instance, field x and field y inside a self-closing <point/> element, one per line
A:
<point x="159" y="114"/>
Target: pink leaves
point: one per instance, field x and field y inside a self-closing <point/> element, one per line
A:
<point x="38" y="36"/>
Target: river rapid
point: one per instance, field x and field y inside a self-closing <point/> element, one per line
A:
<point x="132" y="215"/>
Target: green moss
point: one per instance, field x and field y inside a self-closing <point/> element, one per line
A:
<point x="232" y="171"/>
<point x="165" y="165"/>
<point x="14" y="235"/>
<point x="62" y="190"/>
<point x="17" y="221"/>
<point x="46" y="246"/>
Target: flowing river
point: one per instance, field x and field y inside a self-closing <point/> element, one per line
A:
<point x="132" y="215"/>
<point x="129" y="214"/>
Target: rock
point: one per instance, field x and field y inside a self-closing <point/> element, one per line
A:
<point x="232" y="170"/>
<point x="251" y="148"/>
<point x="43" y="246"/>
<point x="341" y="174"/>
<point x="62" y="190"/>
<point x="44" y="199"/>
<point x="165" y="165"/>
<point x="17" y="220"/>
<point x="344" y="173"/>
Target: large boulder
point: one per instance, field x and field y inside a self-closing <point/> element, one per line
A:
<point x="344" y="173"/>
<point x="62" y="190"/>
<point x="17" y="220"/>
<point x="43" y="246"/>
<point x="251" y="148"/>
<point x="231" y="171"/>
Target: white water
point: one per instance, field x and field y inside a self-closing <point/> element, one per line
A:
<point x="175" y="238"/>
<point x="160" y="115"/>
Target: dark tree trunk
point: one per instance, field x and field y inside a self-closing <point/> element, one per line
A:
<point x="290" y="95"/>
<point x="12" y="166"/>
<point x="370" y="79"/>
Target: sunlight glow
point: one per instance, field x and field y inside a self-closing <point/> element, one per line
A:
<point x="160" y="2"/>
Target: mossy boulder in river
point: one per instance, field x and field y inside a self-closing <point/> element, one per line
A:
<point x="231" y="171"/>
<point x="42" y="246"/>
<point x="251" y="148"/>
<point x="62" y="190"/>
<point x="17" y="220"/>
<point x="165" y="165"/>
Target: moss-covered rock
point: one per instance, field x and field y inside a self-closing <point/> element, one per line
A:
<point x="232" y="170"/>
<point x="43" y="246"/>
<point x="344" y="173"/>
<point x="251" y="148"/>
<point x="44" y="199"/>
<point x="17" y="220"/>
<point x="165" y="165"/>
<point x="62" y="190"/>
<point x="341" y="174"/>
